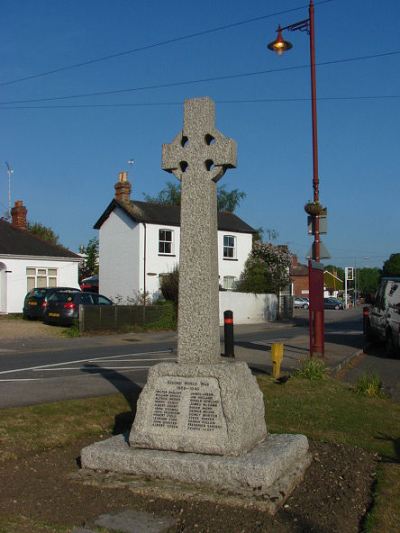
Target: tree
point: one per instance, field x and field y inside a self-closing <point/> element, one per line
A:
<point x="45" y="233"/>
<point x="266" y="269"/>
<point x="368" y="280"/>
<point x="337" y="271"/>
<point x="229" y="200"/>
<point x="90" y="264"/>
<point x="391" y="267"/>
<point x="171" y="195"/>
<point x="169" y="286"/>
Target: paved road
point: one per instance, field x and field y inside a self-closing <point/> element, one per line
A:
<point x="376" y="361"/>
<point x="42" y="370"/>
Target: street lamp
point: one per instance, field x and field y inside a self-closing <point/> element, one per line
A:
<point x="316" y="289"/>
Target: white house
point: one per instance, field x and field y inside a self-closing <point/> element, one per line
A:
<point x="26" y="261"/>
<point x="139" y="242"/>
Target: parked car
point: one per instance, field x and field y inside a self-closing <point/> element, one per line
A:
<point x="301" y="303"/>
<point x="333" y="303"/>
<point x="382" y="318"/>
<point x="90" y="284"/>
<point x="63" y="306"/>
<point x="35" y="301"/>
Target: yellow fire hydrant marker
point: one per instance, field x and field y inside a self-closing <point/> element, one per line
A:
<point x="277" y="357"/>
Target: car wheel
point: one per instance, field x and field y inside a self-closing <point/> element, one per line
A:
<point x="337" y="307"/>
<point x="305" y="306"/>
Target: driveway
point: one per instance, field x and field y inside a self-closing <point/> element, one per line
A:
<point x="17" y="328"/>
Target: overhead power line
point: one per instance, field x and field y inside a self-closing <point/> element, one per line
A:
<point x="199" y="80"/>
<point x="220" y="102"/>
<point x="157" y="44"/>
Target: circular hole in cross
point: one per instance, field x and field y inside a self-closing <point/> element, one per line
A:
<point x="184" y="141"/>
<point x="183" y="165"/>
<point x="209" y="164"/>
<point x="209" y="139"/>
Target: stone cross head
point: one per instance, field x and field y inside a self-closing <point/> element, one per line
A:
<point x="199" y="149"/>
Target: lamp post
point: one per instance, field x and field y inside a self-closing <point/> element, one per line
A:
<point x="280" y="45"/>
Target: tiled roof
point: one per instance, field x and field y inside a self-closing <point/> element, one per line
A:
<point x="299" y="270"/>
<point x="14" y="241"/>
<point x="169" y="216"/>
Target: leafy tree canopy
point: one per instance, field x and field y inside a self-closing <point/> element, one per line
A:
<point x="171" y="195"/>
<point x="368" y="279"/>
<point x="90" y="264"/>
<point x="337" y="271"/>
<point x="45" y="233"/>
<point x="266" y="269"/>
<point x="391" y="267"/>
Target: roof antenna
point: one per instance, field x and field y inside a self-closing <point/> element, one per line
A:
<point x="10" y="171"/>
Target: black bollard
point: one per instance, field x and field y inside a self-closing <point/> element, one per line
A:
<point x="228" y="334"/>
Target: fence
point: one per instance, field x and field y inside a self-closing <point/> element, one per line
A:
<point x="117" y="317"/>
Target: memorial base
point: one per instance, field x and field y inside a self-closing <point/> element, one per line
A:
<point x="200" y="408"/>
<point x="264" y="477"/>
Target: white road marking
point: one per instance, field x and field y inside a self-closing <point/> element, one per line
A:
<point x="22" y="379"/>
<point x="53" y="365"/>
<point x="135" y="360"/>
<point x="88" y="367"/>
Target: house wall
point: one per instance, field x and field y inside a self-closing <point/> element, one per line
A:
<point x="119" y="257"/>
<point x="248" y="308"/>
<point x="13" y="279"/>
<point x="300" y="285"/>
<point x="157" y="264"/>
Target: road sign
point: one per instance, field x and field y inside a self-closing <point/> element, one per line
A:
<point x="323" y="252"/>
<point x="323" y="224"/>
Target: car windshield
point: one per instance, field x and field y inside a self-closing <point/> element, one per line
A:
<point x="38" y="293"/>
<point x="62" y="296"/>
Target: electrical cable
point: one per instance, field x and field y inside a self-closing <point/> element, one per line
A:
<point x="200" y="80"/>
<point x="157" y="44"/>
<point x="219" y="102"/>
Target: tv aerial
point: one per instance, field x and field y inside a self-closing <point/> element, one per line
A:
<point x="10" y="172"/>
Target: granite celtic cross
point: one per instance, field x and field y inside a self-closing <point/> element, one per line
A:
<point x="198" y="156"/>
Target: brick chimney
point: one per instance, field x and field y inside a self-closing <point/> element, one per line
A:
<point x="18" y="215"/>
<point x="123" y="188"/>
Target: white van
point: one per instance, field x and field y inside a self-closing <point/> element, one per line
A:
<point x="384" y="315"/>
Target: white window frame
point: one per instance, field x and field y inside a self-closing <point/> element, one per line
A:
<point x="41" y="277"/>
<point x="228" y="283"/>
<point x="164" y="243"/>
<point x="230" y="247"/>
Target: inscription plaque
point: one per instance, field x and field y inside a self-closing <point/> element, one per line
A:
<point x="189" y="404"/>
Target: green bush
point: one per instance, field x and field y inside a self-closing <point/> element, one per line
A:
<point x="312" y="369"/>
<point x="167" y="320"/>
<point x="169" y="285"/>
<point x="369" y="384"/>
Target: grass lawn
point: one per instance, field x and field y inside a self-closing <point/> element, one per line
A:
<point x="324" y="410"/>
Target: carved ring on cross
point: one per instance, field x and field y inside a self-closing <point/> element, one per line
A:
<point x="199" y="149"/>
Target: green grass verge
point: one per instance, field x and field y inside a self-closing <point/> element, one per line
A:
<point x="329" y="411"/>
<point x="40" y="427"/>
<point x="324" y="410"/>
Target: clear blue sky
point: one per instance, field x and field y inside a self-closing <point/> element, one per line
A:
<point x="66" y="160"/>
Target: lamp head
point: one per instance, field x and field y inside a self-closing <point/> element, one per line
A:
<point x="280" y="45"/>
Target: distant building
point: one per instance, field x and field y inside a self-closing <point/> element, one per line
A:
<point x="333" y="285"/>
<point x="139" y="242"/>
<point x="299" y="278"/>
<point x="26" y="262"/>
